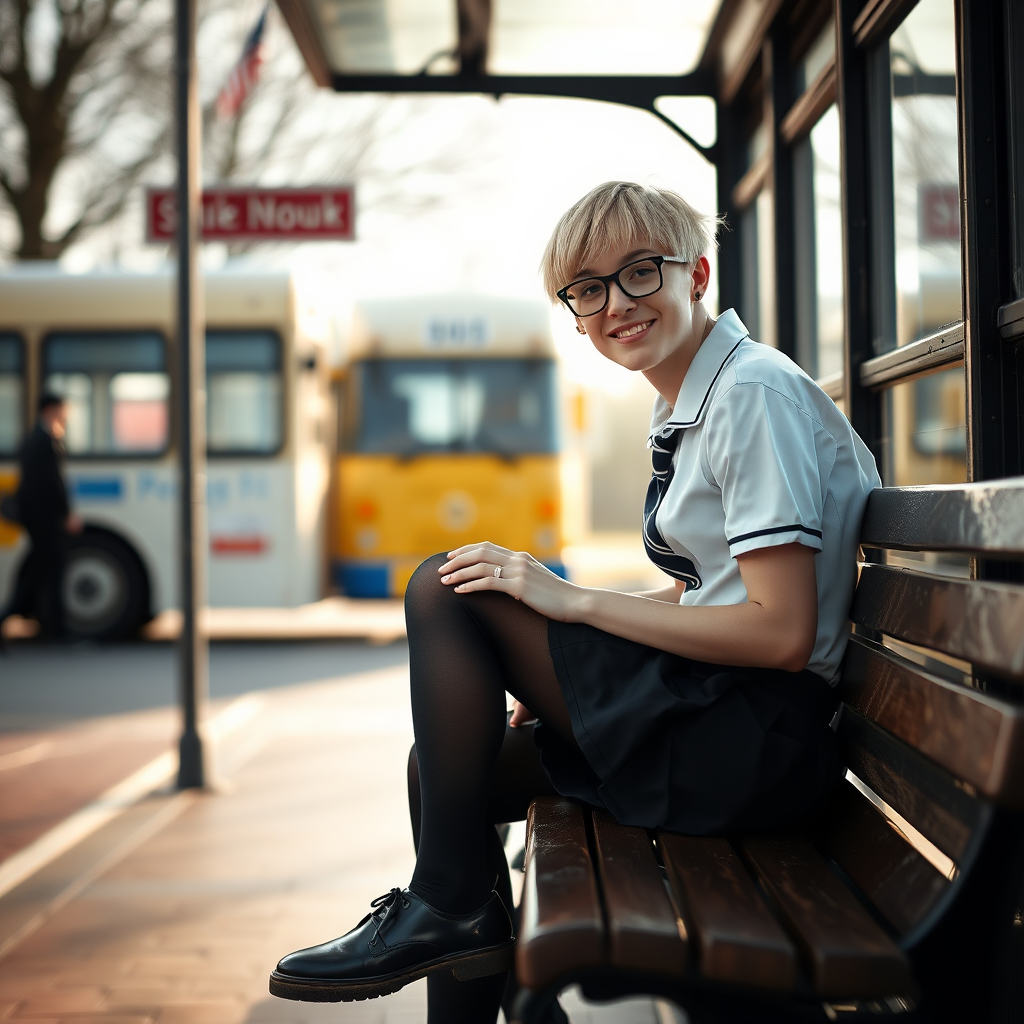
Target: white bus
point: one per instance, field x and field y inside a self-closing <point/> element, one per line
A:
<point x="106" y="342"/>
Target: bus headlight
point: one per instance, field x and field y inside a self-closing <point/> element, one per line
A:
<point x="367" y="539"/>
<point x="456" y="511"/>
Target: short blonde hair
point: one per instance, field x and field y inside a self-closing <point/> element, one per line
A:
<point x="624" y="215"/>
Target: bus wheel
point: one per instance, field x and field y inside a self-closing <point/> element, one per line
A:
<point x="105" y="590"/>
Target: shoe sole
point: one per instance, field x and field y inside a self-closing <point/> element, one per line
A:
<point x="465" y="967"/>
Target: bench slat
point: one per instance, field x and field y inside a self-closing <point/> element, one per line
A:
<point x="848" y="953"/>
<point x="977" y="738"/>
<point x="562" y="929"/>
<point x="644" y="931"/>
<point x="738" y="939"/>
<point x="920" y="792"/>
<point x="888" y="870"/>
<point x="983" y="519"/>
<point x="969" y="619"/>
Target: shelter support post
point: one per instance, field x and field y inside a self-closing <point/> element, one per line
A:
<point x="193" y="656"/>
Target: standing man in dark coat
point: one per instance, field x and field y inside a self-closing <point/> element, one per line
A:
<point x="46" y="514"/>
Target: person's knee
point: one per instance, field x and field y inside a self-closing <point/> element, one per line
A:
<point x="425" y="586"/>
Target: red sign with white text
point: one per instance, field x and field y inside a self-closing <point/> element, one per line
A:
<point x="320" y="213"/>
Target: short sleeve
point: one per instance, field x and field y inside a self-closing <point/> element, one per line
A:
<point x="772" y="462"/>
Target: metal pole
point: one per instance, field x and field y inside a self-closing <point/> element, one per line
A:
<point x="193" y="655"/>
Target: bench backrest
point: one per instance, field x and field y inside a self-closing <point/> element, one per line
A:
<point x="931" y="737"/>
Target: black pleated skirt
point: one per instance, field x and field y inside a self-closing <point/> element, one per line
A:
<point x="665" y="742"/>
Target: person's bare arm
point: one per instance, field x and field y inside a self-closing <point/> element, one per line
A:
<point x="774" y="628"/>
<point x="671" y="593"/>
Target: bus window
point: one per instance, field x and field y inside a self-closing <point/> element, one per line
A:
<point x="926" y="192"/>
<point x="12" y="391"/>
<point x="409" y="406"/>
<point x="243" y="385"/>
<point x="116" y="387"/>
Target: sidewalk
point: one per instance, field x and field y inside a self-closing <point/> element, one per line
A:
<point x="176" y="910"/>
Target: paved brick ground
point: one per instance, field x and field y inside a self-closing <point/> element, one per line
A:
<point x="186" y="926"/>
<point x="47" y="775"/>
<point x="189" y="925"/>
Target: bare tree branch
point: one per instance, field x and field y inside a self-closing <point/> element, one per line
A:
<point x="95" y="120"/>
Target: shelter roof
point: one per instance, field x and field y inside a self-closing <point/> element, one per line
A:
<point x="506" y="37"/>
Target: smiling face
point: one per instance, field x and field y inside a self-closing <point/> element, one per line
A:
<point x="612" y="225"/>
<point x="657" y="334"/>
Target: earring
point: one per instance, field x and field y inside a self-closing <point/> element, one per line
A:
<point x="580" y="329"/>
<point x="696" y="297"/>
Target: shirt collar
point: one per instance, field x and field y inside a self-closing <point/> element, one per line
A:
<point x="691" y="403"/>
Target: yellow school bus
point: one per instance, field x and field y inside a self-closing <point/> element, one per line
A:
<point x="448" y="433"/>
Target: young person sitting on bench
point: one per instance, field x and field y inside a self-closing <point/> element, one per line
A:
<point x="702" y="707"/>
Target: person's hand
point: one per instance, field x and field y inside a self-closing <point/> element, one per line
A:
<point x="73" y="523"/>
<point x="521" y="715"/>
<point x="474" y="567"/>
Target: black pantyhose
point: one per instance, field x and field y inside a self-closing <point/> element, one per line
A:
<point x="465" y="651"/>
<point x="518" y="779"/>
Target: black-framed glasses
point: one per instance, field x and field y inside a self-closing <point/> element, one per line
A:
<point x="637" y="279"/>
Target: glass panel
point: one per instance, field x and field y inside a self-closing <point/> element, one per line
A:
<point x="387" y="35"/>
<point x="605" y="37"/>
<point x="748" y="247"/>
<point x="525" y="37"/>
<point x="116" y="388"/>
<point x="926" y="430"/>
<point x="757" y="144"/>
<point x="243" y="392"/>
<point x="817" y="58"/>
<point x="12" y="393"/>
<point x="408" y="406"/>
<point x="765" y="268"/>
<point x="819" y="248"/>
<point x="922" y="55"/>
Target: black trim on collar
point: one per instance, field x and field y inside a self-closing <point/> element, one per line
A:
<point x="774" y="529"/>
<point x="670" y="422"/>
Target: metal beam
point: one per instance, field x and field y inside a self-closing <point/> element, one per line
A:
<point x="862" y="405"/>
<point x="474" y="18"/>
<point x="776" y="73"/>
<point x="986" y="258"/>
<point x="629" y="90"/>
<point x="193" y="659"/>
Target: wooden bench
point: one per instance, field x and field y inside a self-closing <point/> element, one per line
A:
<point x="904" y="895"/>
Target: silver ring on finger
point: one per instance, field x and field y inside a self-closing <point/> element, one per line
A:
<point x="497" y="572"/>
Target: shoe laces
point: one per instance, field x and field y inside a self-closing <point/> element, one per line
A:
<point x="382" y="907"/>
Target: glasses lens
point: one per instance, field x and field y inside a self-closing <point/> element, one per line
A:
<point x="640" y="278"/>
<point x="586" y="297"/>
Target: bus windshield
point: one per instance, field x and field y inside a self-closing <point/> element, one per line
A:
<point x="411" y="406"/>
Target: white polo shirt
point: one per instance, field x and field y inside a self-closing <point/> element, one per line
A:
<point x="754" y="454"/>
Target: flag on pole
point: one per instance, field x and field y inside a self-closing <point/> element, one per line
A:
<point x="245" y="73"/>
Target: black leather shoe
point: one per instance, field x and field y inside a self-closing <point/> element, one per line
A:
<point x="400" y="940"/>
